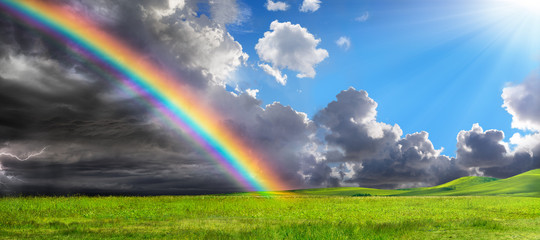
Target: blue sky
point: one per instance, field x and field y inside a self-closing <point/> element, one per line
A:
<point x="435" y="66"/>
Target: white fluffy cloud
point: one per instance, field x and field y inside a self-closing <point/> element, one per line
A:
<point x="344" y="42"/>
<point x="197" y="43"/>
<point x="523" y="102"/>
<point x="275" y="72"/>
<point x="252" y="92"/>
<point x="525" y="143"/>
<point x="291" y="46"/>
<point x="310" y="5"/>
<point x="276" y="6"/>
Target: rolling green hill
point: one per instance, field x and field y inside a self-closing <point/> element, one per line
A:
<point x="459" y="184"/>
<point x="526" y="184"/>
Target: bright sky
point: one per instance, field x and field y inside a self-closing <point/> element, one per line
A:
<point x="435" y="66"/>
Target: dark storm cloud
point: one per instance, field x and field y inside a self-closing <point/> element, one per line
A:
<point x="97" y="139"/>
<point x="36" y="89"/>
<point x="102" y="139"/>
<point x="102" y="170"/>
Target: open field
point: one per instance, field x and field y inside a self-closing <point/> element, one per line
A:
<point x="289" y="217"/>
<point x="502" y="209"/>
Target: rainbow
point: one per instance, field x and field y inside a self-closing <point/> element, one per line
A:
<point x="158" y="87"/>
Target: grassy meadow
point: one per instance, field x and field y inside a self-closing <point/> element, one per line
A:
<point x="509" y="209"/>
<point x="282" y="217"/>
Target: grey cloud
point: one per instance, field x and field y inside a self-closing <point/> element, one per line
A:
<point x="320" y="174"/>
<point x="94" y="142"/>
<point x="412" y="162"/>
<point x="378" y="155"/>
<point x="150" y="174"/>
<point x="516" y="163"/>
<point x="352" y="126"/>
<point x="198" y="48"/>
<point x="277" y="131"/>
<point x="476" y="148"/>
<point x="487" y="152"/>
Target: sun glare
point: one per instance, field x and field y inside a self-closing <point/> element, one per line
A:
<point x="529" y="8"/>
<point x="517" y="21"/>
<point x="532" y="6"/>
<point x="526" y="8"/>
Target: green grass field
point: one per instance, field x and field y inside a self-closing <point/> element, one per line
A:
<point x="508" y="211"/>
<point x="289" y="217"/>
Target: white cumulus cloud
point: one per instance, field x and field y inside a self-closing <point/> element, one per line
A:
<point x="310" y="5"/>
<point x="291" y="46"/>
<point x="523" y="102"/>
<point x="276" y="6"/>
<point x="198" y="43"/>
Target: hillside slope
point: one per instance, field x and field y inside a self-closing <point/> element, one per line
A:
<point x="450" y="187"/>
<point x="525" y="184"/>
